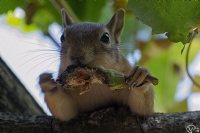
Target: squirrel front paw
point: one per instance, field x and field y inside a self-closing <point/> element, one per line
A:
<point x="47" y="84"/>
<point x="136" y="79"/>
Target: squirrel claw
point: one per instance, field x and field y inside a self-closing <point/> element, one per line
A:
<point x="137" y="77"/>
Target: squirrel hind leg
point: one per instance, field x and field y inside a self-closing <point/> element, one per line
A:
<point x="140" y="102"/>
<point x="61" y="106"/>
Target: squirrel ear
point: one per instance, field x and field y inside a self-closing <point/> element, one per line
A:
<point x="66" y="19"/>
<point x="116" y="23"/>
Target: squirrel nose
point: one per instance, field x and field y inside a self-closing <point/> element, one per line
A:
<point x="78" y="59"/>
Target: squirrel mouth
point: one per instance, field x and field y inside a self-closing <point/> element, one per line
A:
<point x="81" y="61"/>
<point x="78" y="62"/>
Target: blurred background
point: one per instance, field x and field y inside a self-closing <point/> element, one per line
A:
<point x="30" y="38"/>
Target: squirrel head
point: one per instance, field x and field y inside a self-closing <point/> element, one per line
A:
<point x="91" y="43"/>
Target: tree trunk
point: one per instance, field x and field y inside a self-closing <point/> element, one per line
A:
<point x="110" y="120"/>
<point x="13" y="95"/>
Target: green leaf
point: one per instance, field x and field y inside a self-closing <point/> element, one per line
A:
<point x="43" y="19"/>
<point x="87" y="11"/>
<point x="116" y="80"/>
<point x="6" y="5"/>
<point x="194" y="22"/>
<point x="171" y="17"/>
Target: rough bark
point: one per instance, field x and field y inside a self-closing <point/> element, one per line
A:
<point x="13" y="95"/>
<point x="110" y="120"/>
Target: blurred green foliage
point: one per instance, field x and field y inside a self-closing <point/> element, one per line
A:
<point x="162" y="57"/>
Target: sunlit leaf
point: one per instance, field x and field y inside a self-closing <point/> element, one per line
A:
<point x="12" y="20"/>
<point x="19" y="23"/>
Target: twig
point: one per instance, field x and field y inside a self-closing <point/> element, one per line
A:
<point x="187" y="56"/>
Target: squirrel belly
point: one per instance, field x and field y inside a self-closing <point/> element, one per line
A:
<point x="98" y="45"/>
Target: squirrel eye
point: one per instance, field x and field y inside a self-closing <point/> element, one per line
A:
<point x="62" y="38"/>
<point x="105" y="38"/>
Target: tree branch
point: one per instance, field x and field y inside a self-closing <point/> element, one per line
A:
<point x="106" y="120"/>
<point x="13" y="95"/>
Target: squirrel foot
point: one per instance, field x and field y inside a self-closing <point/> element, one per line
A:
<point x="136" y="79"/>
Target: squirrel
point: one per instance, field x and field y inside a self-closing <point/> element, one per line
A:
<point x="98" y="45"/>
